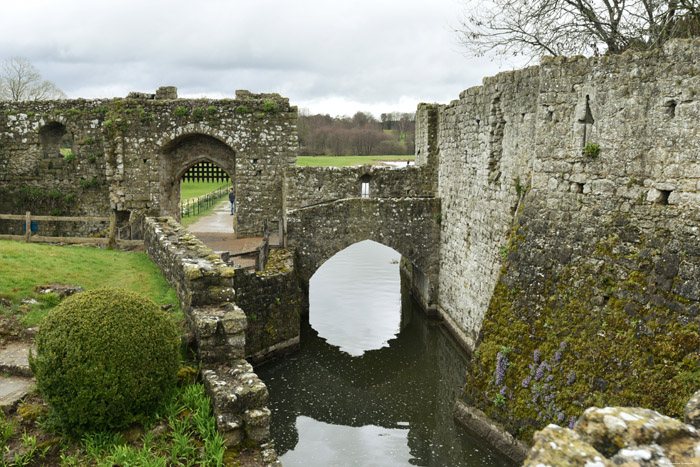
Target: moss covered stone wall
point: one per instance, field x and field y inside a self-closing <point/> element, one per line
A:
<point x="273" y="303"/>
<point x="569" y="251"/>
<point x="87" y="157"/>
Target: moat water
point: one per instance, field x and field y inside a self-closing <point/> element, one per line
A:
<point x="375" y="381"/>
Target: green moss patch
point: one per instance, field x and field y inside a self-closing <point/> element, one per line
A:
<point x="599" y="322"/>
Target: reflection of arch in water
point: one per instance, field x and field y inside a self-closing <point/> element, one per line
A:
<point x="182" y="154"/>
<point x="340" y="308"/>
<point x="379" y="388"/>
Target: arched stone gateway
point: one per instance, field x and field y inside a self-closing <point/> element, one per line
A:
<point x="127" y="155"/>
<point x="408" y="225"/>
<point x="185" y="152"/>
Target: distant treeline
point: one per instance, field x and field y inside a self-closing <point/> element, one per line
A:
<point x="359" y="135"/>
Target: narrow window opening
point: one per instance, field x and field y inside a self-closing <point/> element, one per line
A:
<point x="587" y="121"/>
<point x="255" y="161"/>
<point x="364" y="186"/>
<point x="365" y="189"/>
<point x="259" y="174"/>
<point x="578" y="187"/>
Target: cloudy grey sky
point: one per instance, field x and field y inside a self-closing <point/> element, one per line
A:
<point x="329" y="56"/>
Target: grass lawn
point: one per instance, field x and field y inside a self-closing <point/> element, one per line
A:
<point x="343" y="161"/>
<point x="195" y="189"/>
<point x="181" y="433"/>
<point x="26" y="265"/>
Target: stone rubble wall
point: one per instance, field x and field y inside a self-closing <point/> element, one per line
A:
<point x="205" y="290"/>
<point x="569" y="236"/>
<point x="35" y="177"/>
<point x="526" y="130"/>
<point x="620" y="436"/>
<point x="273" y="303"/>
<point x="130" y="153"/>
<point x="305" y="186"/>
<point x="485" y="143"/>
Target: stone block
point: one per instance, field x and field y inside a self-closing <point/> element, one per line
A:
<point x="12" y="390"/>
<point x="257" y="424"/>
<point x="555" y="446"/>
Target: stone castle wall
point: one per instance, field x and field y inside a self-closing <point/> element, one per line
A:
<point x="574" y="270"/>
<point x="273" y="303"/>
<point x="129" y="154"/>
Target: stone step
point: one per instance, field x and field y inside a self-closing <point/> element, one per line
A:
<point x="14" y="359"/>
<point x="12" y="390"/>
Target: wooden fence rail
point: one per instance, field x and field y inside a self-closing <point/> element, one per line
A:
<point x="28" y="237"/>
<point x="194" y="206"/>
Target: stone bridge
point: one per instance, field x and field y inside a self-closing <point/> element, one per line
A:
<point x="411" y="226"/>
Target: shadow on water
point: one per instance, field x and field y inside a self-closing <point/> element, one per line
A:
<point x="389" y="406"/>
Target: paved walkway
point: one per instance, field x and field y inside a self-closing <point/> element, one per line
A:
<point x="215" y="230"/>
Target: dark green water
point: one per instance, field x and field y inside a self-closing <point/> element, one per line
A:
<point x="375" y="381"/>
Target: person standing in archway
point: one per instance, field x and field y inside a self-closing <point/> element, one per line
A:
<point x="231" y="198"/>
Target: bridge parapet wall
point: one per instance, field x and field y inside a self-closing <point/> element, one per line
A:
<point x="310" y="185"/>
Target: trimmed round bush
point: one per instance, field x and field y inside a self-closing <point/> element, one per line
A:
<point x="105" y="358"/>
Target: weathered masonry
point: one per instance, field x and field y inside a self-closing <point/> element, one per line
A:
<point x="551" y="218"/>
<point x="91" y="157"/>
<point x="569" y="250"/>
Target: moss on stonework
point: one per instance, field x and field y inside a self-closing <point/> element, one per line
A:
<point x="279" y="261"/>
<point x="605" y="329"/>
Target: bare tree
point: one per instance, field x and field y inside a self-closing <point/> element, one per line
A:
<point x="533" y="28"/>
<point x="21" y="81"/>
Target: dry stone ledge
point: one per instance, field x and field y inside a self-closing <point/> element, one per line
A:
<point x="12" y="390"/>
<point x="239" y="401"/>
<point x="630" y="436"/>
<point x="14" y="359"/>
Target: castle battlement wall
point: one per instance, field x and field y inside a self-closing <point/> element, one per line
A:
<point x="570" y="234"/>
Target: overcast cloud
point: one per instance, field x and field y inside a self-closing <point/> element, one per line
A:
<point x="329" y="56"/>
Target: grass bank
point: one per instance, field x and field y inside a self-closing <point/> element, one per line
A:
<point x="182" y="433"/>
<point x="195" y="189"/>
<point x="343" y="161"/>
<point x="24" y="266"/>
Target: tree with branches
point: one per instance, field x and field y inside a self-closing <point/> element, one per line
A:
<point x="532" y="28"/>
<point x="21" y="81"/>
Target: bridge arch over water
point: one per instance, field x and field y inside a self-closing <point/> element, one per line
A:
<point x="408" y="225"/>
